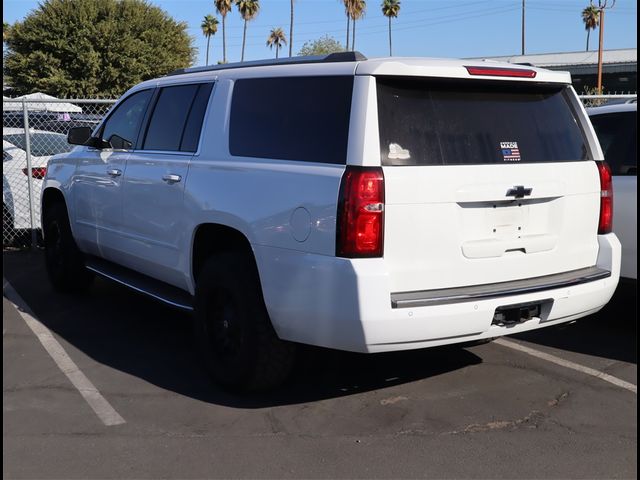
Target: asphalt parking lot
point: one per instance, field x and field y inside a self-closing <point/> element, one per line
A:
<point x="487" y="411"/>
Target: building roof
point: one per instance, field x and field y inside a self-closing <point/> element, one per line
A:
<point x="566" y="59"/>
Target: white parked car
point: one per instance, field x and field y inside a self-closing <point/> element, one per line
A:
<point x="616" y="127"/>
<point x="362" y="205"/>
<point x="15" y="192"/>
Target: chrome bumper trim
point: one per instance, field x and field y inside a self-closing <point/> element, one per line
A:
<point x="442" y="296"/>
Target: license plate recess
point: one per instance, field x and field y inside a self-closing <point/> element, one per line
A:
<point x="508" y="315"/>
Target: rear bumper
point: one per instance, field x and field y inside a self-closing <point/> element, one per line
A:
<point x="347" y="304"/>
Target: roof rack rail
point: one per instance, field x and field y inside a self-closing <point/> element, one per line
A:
<point x="331" y="57"/>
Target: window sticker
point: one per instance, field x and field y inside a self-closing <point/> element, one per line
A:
<point x="396" y="152"/>
<point x="510" y="151"/>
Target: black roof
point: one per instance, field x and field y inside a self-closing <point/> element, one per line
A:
<point x="332" y="57"/>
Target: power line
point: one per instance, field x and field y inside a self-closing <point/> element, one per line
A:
<point x="495" y="11"/>
<point x="406" y="25"/>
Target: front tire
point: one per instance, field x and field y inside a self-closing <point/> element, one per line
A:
<point x="63" y="259"/>
<point x="233" y="331"/>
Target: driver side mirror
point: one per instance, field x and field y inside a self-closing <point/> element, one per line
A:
<point x="78" y="135"/>
<point x="82" y="136"/>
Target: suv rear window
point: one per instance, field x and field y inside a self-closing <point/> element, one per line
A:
<point x="617" y="135"/>
<point x="431" y="122"/>
<point x="294" y="118"/>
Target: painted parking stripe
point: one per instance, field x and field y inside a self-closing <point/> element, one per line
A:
<point x="567" y="364"/>
<point x="103" y="409"/>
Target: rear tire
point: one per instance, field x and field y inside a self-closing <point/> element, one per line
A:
<point x="236" y="340"/>
<point x="63" y="259"/>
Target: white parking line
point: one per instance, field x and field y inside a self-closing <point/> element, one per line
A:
<point x="567" y="364"/>
<point x="103" y="409"/>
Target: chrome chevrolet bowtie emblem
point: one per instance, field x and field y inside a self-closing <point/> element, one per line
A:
<point x="519" y="191"/>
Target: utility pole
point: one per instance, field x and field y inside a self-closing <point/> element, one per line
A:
<point x="523" y="27"/>
<point x="602" y="5"/>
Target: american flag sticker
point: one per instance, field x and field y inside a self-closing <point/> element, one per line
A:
<point x="510" y="151"/>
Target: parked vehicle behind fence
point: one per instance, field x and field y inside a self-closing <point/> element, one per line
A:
<point x="362" y="205"/>
<point x="617" y="127"/>
<point x="16" y="211"/>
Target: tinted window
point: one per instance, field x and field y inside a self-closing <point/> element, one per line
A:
<point x="299" y="118"/>
<point x="169" y="118"/>
<point x="426" y="122"/>
<point x="42" y="144"/>
<point x="194" y="122"/>
<point x="122" y="126"/>
<point x="617" y="135"/>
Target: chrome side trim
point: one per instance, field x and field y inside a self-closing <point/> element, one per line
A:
<point x="442" y="296"/>
<point x="181" y="306"/>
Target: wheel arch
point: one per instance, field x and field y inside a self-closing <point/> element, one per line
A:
<point x="211" y="238"/>
<point x="51" y="195"/>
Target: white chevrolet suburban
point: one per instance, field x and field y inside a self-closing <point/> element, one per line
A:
<point x="362" y="205"/>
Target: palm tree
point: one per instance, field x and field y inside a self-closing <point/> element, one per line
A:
<point x="390" y="9"/>
<point x="209" y="28"/>
<point x="347" y="11"/>
<point x="291" y="31"/>
<point x="276" y="39"/>
<point x="591" y="19"/>
<point x="248" y="10"/>
<point x="358" y="8"/>
<point x="223" y="7"/>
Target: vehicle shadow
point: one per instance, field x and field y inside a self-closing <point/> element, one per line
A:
<point x="609" y="333"/>
<point x="131" y="333"/>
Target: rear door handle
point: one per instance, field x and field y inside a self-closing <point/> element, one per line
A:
<point x="171" y="178"/>
<point x="114" y="172"/>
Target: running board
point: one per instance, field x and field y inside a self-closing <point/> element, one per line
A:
<point x="172" y="296"/>
<point x="492" y="290"/>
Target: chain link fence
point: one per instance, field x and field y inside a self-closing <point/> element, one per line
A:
<point x="34" y="129"/>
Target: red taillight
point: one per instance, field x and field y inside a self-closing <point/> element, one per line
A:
<point x="37" y="172"/>
<point x="360" y="222"/>
<point x="501" y="72"/>
<point x="605" y="224"/>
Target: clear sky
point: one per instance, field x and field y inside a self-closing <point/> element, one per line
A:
<point x="435" y="28"/>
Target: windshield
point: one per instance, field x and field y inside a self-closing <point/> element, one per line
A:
<point x="430" y="122"/>
<point x="42" y="144"/>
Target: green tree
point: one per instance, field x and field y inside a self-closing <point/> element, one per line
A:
<point x="390" y="9"/>
<point x="88" y="48"/>
<point x="209" y="28"/>
<point x="322" y="46"/>
<point x="276" y="39"/>
<point x="6" y="31"/>
<point x="591" y="20"/>
<point x="248" y="10"/>
<point x="223" y="7"/>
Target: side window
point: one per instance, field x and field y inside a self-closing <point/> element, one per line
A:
<point x="296" y="118"/>
<point x="168" y="118"/>
<point x="617" y="136"/>
<point x="192" y="129"/>
<point x="176" y="120"/>
<point x="122" y="126"/>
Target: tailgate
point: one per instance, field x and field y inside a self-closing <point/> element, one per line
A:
<point x="449" y="227"/>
